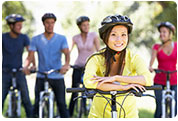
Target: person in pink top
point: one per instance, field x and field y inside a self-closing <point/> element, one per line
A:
<point x="87" y="43"/>
<point x="166" y="54"/>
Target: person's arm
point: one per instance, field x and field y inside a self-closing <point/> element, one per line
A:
<point x="33" y="61"/>
<point x="122" y="79"/>
<point x="143" y="76"/>
<point x="153" y="57"/>
<point x="114" y="87"/>
<point x="66" y="66"/>
<point x="73" y="43"/>
<point x="28" y="61"/>
<point x="97" y="43"/>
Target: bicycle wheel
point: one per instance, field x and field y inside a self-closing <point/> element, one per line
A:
<point x="14" y="105"/>
<point x="56" y="112"/>
<point x="44" y="109"/>
<point x="83" y="113"/>
<point x="81" y="109"/>
<point x="168" y="108"/>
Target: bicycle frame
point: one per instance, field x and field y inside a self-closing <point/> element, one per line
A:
<point x="168" y="94"/>
<point x="113" y="104"/>
<point x="83" y="107"/>
<point x="47" y="93"/>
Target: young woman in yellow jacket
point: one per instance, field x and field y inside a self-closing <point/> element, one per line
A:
<point x="115" y="68"/>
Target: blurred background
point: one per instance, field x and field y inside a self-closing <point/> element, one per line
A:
<point x="145" y="15"/>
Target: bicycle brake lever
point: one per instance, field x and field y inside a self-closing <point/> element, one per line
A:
<point x="77" y="98"/>
<point x="137" y="94"/>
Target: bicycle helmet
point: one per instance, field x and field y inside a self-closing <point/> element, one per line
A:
<point x="113" y="20"/>
<point x="13" y="18"/>
<point x="82" y="19"/>
<point x="168" y="25"/>
<point x="48" y="15"/>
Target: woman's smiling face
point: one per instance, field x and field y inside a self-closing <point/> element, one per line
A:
<point x="118" y="38"/>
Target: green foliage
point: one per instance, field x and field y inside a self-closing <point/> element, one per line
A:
<point x="17" y="7"/>
<point x="145" y="15"/>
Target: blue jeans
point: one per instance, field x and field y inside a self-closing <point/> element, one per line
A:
<point x="58" y="87"/>
<point x="158" y="94"/>
<point x="21" y="85"/>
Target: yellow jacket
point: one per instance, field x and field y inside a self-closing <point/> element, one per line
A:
<point x="134" y="65"/>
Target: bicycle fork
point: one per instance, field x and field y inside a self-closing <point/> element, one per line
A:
<point x="50" y="96"/>
<point x="172" y="97"/>
<point x="18" y="108"/>
<point x="14" y="93"/>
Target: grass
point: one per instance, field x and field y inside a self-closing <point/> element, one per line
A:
<point x="23" y="114"/>
<point x="143" y="113"/>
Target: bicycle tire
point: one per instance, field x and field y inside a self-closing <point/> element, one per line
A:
<point x="81" y="109"/>
<point x="168" y="108"/>
<point x="83" y="112"/>
<point x="14" y="105"/>
<point x="55" y="109"/>
<point x="45" y="109"/>
<point x="76" y="107"/>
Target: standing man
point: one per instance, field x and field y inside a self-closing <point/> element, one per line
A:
<point x="50" y="46"/>
<point x="13" y="44"/>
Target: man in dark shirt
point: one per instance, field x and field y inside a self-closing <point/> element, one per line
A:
<point x="13" y="44"/>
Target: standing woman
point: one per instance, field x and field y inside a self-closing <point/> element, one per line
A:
<point x="115" y="68"/>
<point x="166" y="54"/>
<point x="87" y="42"/>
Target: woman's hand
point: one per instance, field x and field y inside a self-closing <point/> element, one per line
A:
<point x="102" y="80"/>
<point x="134" y="86"/>
<point x="151" y="69"/>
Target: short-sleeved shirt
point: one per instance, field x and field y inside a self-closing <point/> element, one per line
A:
<point x="134" y="65"/>
<point x="167" y="63"/>
<point x="49" y="53"/>
<point x="12" y="50"/>
<point x="84" y="49"/>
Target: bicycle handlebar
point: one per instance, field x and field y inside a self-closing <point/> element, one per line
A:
<point x="13" y="70"/>
<point x="71" y="90"/>
<point x="163" y="71"/>
<point x="76" y="67"/>
<point x="46" y="72"/>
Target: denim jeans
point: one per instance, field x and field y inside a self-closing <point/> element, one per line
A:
<point x="21" y="85"/>
<point x="58" y="87"/>
<point x="158" y="94"/>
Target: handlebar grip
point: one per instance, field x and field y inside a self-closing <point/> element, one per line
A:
<point x="155" y="87"/>
<point x="70" y="90"/>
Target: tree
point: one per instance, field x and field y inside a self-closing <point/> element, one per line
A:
<point x="10" y="7"/>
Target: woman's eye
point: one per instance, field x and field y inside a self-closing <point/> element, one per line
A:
<point x="123" y="34"/>
<point x="113" y="34"/>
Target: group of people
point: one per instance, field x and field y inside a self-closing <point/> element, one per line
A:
<point x="49" y="46"/>
<point x="114" y="67"/>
